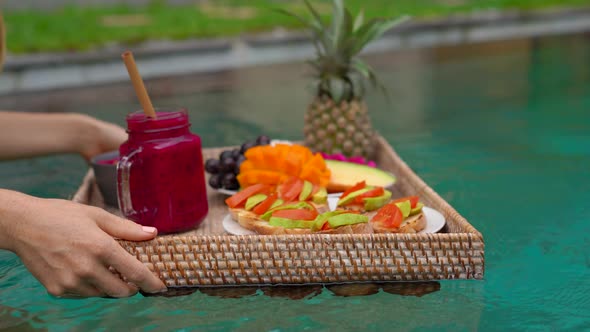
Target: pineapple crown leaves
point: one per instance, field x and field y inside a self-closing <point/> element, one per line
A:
<point x="339" y="72"/>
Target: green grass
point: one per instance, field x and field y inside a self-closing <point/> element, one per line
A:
<point x="81" y="28"/>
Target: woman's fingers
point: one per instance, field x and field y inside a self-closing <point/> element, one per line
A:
<point x="61" y="276"/>
<point x="122" y="228"/>
<point x="128" y="266"/>
<point x="123" y="262"/>
<point x="134" y="271"/>
<point x="111" y="284"/>
<point x="81" y="291"/>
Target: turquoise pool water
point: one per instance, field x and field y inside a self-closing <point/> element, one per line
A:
<point x="500" y="130"/>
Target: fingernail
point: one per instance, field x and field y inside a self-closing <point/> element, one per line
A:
<point x="148" y="229"/>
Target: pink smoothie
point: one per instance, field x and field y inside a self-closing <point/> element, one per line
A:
<point x="160" y="174"/>
<point x="113" y="161"/>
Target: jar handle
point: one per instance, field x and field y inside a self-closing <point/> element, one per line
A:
<point x="123" y="180"/>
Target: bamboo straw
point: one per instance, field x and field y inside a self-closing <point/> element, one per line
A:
<point x="140" y="89"/>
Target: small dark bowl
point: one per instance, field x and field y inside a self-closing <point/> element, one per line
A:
<point x="105" y="172"/>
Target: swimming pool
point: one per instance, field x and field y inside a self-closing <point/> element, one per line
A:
<point x="501" y="130"/>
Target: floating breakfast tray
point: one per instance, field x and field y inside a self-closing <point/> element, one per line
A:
<point x="208" y="256"/>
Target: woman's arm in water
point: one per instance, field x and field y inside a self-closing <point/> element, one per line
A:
<point x="24" y="135"/>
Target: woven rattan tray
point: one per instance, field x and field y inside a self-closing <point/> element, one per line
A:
<point x="207" y="256"/>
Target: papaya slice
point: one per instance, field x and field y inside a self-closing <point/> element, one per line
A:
<point x="276" y="164"/>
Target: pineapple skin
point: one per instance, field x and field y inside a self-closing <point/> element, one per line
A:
<point x="343" y="127"/>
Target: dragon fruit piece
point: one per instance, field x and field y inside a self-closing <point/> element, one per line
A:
<point x="357" y="159"/>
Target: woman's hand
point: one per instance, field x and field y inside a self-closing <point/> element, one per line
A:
<point x="69" y="247"/>
<point x="98" y="137"/>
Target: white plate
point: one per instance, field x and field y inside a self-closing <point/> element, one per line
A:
<point x="231" y="226"/>
<point x="435" y="221"/>
<point x="226" y="191"/>
<point x="274" y="142"/>
<point x="333" y="200"/>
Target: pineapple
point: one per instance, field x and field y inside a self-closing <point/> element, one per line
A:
<point x="337" y="121"/>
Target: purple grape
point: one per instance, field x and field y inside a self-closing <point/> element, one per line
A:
<point x="263" y="140"/>
<point x="212" y="166"/>
<point x="246" y="146"/>
<point x="225" y="154"/>
<point x="215" y="181"/>
<point x="228" y="165"/>
<point x="235" y="153"/>
<point x="230" y="182"/>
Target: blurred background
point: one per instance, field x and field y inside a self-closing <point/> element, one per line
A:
<point x="66" y="25"/>
<point x="64" y="44"/>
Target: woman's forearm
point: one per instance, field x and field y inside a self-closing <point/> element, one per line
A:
<point x="25" y="135"/>
<point x="12" y="207"/>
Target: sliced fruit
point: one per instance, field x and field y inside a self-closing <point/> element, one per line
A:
<point x="292" y="164"/>
<point x="260" y="176"/>
<point x="278" y="202"/>
<point x="273" y="164"/>
<point x="254" y="200"/>
<point x="290" y="223"/>
<point x="373" y="203"/>
<point x="287" y="206"/>
<point x="241" y="196"/>
<point x="320" y="196"/>
<point x="376" y="192"/>
<point x="315" y="189"/>
<point x="413" y="200"/>
<point x="321" y="220"/>
<point x="357" y="186"/>
<point x="347" y="219"/>
<point x="315" y="170"/>
<point x="299" y="214"/>
<point x="345" y="175"/>
<point x="290" y="190"/>
<point x="417" y="209"/>
<point x="405" y="207"/>
<point x="306" y="191"/>
<point x="265" y="205"/>
<point x="350" y="197"/>
<point x="389" y="216"/>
